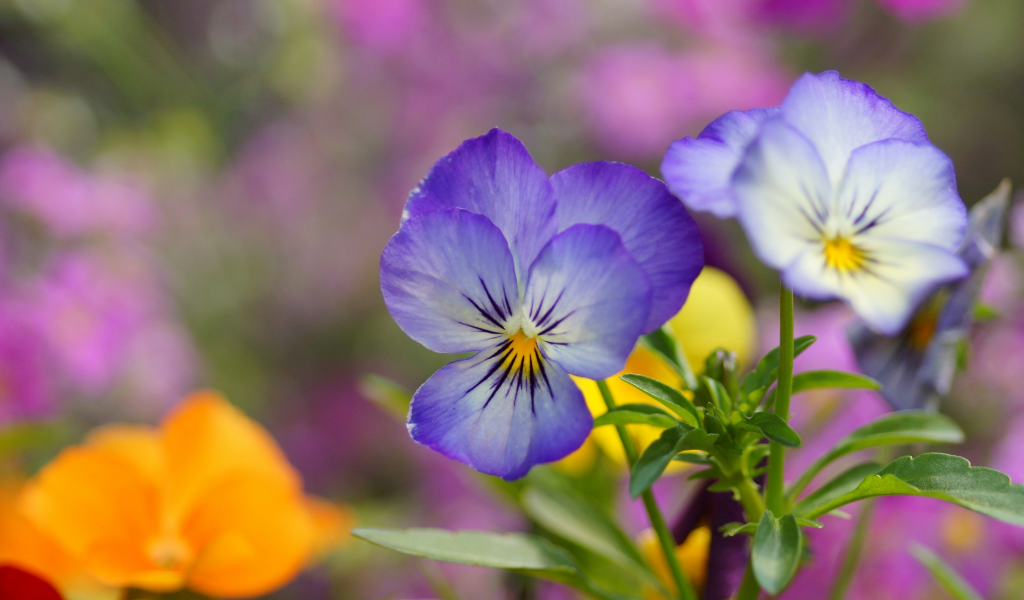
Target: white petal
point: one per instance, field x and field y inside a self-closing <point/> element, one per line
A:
<point x="901" y="190"/>
<point x="783" y="194"/>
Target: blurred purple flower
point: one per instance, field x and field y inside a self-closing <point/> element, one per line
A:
<point x="918" y="11"/>
<point x="887" y="570"/>
<point x="72" y="202"/>
<point x="1008" y="457"/>
<point x="25" y="391"/>
<point x="88" y="311"/>
<point x="804" y="15"/>
<point x="382" y="25"/>
<point x="639" y="98"/>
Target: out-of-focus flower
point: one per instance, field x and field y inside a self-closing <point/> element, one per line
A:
<point x="917" y="11"/>
<point x="18" y="584"/>
<point x="25" y="368"/>
<point x="638" y="97"/>
<point x="691" y="553"/>
<point x="712" y="561"/>
<point x="72" y="202"/>
<point x="542" y="279"/>
<point x="716" y="315"/>
<point x="839" y="190"/>
<point x="916" y="366"/>
<point x="383" y="25"/>
<point x="207" y="501"/>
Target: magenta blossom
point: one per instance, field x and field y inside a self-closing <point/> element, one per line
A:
<point x="24" y="369"/>
<point x="72" y="202"/>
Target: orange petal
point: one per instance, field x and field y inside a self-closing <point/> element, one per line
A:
<point x="138" y="445"/>
<point x="253" y="537"/>
<point x="89" y="498"/>
<point x="332" y="524"/>
<point x="206" y="438"/>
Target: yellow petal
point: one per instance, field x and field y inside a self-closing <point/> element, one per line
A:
<point x="89" y="497"/>
<point x="717" y="314"/>
<point x="692" y="555"/>
<point x="138" y="445"/>
<point x="206" y="438"/>
<point x="253" y="537"/>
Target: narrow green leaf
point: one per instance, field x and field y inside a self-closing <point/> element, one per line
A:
<point x="715" y="426"/>
<point x="510" y="551"/>
<point x="767" y="369"/>
<point x="778" y="545"/>
<point x="898" y="428"/>
<point x="984" y="313"/>
<point x="391" y="396"/>
<point x="719" y="395"/>
<point x="941" y="476"/>
<point x="951" y="581"/>
<point x="843" y="483"/>
<point x="667" y="395"/>
<point x="692" y="458"/>
<point x="577" y="519"/>
<point x="664" y="344"/>
<point x="630" y="417"/>
<point x="652" y="462"/>
<point x="731" y="529"/>
<point x="827" y="380"/>
<point x="775" y="429"/>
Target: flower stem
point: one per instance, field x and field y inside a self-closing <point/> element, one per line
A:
<point x="777" y="452"/>
<point x="686" y="591"/>
<point x="841" y="583"/>
<point x="749" y="589"/>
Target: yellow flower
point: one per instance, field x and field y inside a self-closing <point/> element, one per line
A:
<point x="207" y="501"/>
<point x="692" y="555"/>
<point x="716" y="315"/>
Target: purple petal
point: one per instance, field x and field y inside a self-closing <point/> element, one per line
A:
<point x="655" y="228"/>
<point x="493" y="175"/>
<point x="498" y="419"/>
<point x="448" y="279"/>
<point x="839" y="115"/>
<point x="700" y="170"/>
<point x="588" y="300"/>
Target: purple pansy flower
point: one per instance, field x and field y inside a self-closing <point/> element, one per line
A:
<point x="837" y="189"/>
<point x="540" y="278"/>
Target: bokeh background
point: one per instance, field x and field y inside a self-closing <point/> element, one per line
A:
<point x="196" y="193"/>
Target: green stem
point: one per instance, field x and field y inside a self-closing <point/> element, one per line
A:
<point x="668" y="546"/>
<point x="749" y="589"/>
<point x="776" y="451"/>
<point x="853" y="550"/>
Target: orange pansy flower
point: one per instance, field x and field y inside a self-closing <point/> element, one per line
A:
<point x="208" y="501"/>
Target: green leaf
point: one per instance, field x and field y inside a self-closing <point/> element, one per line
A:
<point x="664" y="344"/>
<point x="775" y="429"/>
<point x="778" y="545"/>
<point x="652" y="462"/>
<point x="941" y="476"/>
<point x="827" y="380"/>
<point x="390" y="395"/>
<point x="510" y="551"/>
<point x="843" y="483"/>
<point x="629" y="417"/>
<point x="903" y="427"/>
<point x="767" y="370"/>
<point x="719" y="395"/>
<point x="575" y="518"/>
<point x="951" y="581"/>
<point x="715" y="426"/>
<point x="731" y="529"/>
<point x="984" y="313"/>
<point x="667" y="395"/>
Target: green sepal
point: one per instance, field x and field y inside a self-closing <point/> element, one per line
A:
<point x="717" y="393"/>
<point x="775" y="429"/>
<point x="667" y="395"/>
<point x="778" y="547"/>
<point x="715" y="426"/>
<point x="941" y="476"/>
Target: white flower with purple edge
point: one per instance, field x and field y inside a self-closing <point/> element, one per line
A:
<point x="836" y="188"/>
<point x="540" y="278"/>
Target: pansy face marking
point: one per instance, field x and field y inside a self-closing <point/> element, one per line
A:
<point x="540" y="278"/>
<point x="837" y="189"/>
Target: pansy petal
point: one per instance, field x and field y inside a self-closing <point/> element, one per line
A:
<point x="588" y="300"/>
<point x="655" y="228"/>
<point x="783" y="194"/>
<point x="884" y="293"/>
<point x="839" y="115"/>
<point x="497" y="417"/>
<point x="448" y="279"/>
<point x="899" y="190"/>
<point x="699" y="170"/>
<point x="493" y="175"/>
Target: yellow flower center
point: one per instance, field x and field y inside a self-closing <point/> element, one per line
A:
<point x="843" y="256"/>
<point x="963" y="530"/>
<point x="522" y="352"/>
<point x="169" y="553"/>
